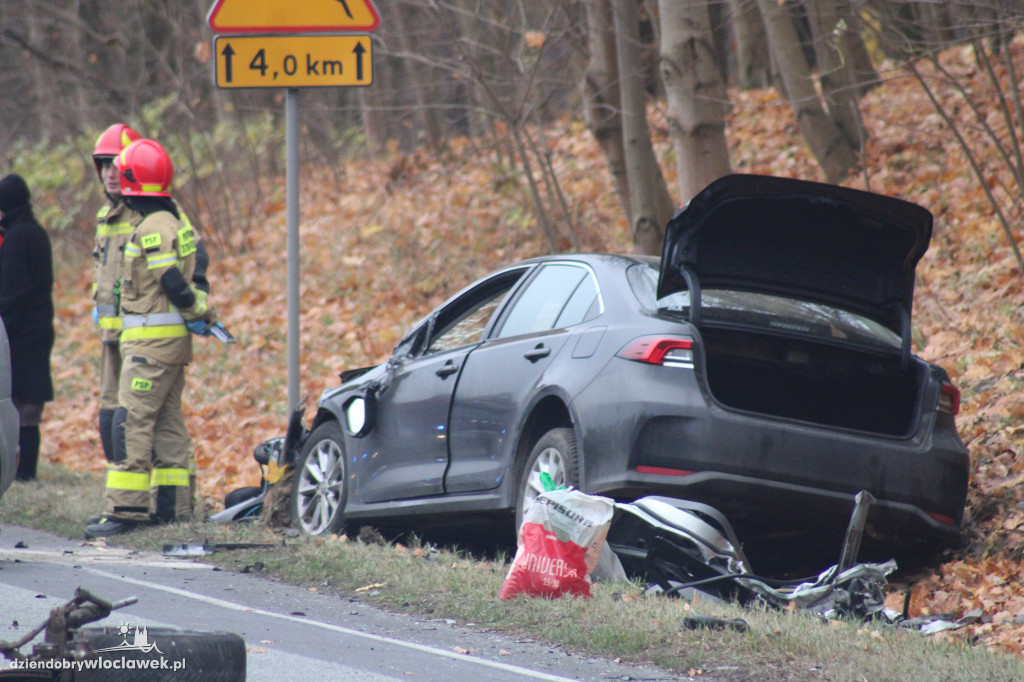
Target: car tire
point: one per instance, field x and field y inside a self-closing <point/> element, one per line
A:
<point x="556" y="454"/>
<point x="27" y="676"/>
<point x="205" y="656"/>
<point x="318" y="492"/>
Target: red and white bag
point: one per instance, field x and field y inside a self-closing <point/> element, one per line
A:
<point x="560" y="541"/>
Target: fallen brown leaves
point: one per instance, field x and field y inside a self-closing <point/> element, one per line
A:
<point x="405" y="231"/>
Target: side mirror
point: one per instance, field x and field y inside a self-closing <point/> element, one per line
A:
<point x="359" y="412"/>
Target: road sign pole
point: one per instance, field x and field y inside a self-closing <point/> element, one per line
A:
<point x="291" y="114"/>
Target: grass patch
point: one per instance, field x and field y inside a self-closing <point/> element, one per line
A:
<point x="618" y="621"/>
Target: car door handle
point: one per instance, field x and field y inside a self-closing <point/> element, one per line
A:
<point x="447" y="370"/>
<point x="537" y="353"/>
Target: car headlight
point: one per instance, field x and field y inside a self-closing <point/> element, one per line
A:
<point x="358" y="415"/>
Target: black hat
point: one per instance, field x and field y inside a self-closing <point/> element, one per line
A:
<point x="13" y="193"/>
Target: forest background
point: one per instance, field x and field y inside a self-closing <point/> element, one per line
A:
<point x="500" y="130"/>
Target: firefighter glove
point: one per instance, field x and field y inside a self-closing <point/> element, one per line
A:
<point x="200" y="311"/>
<point x="199" y="327"/>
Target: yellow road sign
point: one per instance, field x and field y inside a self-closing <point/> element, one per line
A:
<point x="273" y="61"/>
<point x="292" y="16"/>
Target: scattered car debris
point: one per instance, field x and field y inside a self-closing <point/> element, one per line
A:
<point x="274" y="457"/>
<point x="930" y="625"/>
<point x="204" y="548"/>
<point x="696" y="622"/>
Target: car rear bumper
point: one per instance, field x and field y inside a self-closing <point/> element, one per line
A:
<point x="761" y="506"/>
<point x="785" y="475"/>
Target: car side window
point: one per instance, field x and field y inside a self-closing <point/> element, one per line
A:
<point x="465" y="320"/>
<point x="411" y="344"/>
<point x="583" y="305"/>
<point x="550" y="300"/>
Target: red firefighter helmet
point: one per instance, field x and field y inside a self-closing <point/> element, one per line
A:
<point x="111" y="142"/>
<point x="114" y="139"/>
<point x="145" y="169"/>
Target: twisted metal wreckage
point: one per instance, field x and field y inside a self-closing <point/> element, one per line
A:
<point x="685" y="548"/>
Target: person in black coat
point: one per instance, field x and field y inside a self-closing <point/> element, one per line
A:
<point x="26" y="307"/>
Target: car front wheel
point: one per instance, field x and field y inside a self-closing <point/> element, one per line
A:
<point x="554" y="454"/>
<point x="319" y="496"/>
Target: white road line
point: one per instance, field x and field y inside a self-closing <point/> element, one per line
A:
<point x="114" y="557"/>
<point x="525" y="672"/>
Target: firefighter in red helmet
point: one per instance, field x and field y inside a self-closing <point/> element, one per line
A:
<point x="158" y="302"/>
<point x="115" y="223"/>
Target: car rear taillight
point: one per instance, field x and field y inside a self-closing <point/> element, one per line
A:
<point x="669" y="351"/>
<point x="949" y="399"/>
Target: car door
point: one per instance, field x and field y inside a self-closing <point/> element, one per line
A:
<point x="500" y="375"/>
<point x="406" y="453"/>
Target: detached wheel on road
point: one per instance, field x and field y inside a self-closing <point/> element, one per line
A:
<point x="554" y="454"/>
<point x="318" y="496"/>
<point x="26" y="675"/>
<point x="161" y="653"/>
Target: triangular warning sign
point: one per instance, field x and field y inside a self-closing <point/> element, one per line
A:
<point x="291" y="16"/>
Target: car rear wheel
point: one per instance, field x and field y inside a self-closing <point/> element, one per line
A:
<point x="319" y="496"/>
<point x="554" y="454"/>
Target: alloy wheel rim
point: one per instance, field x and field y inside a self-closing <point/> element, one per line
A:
<point x="551" y="462"/>
<point x="320" y="487"/>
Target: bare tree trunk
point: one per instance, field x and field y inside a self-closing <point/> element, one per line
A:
<point x="40" y="80"/>
<point x="834" y="153"/>
<point x="486" y="34"/>
<point x="648" y="193"/>
<point x="840" y="91"/>
<point x="603" y="98"/>
<point x="406" y="17"/>
<point x="697" y="101"/>
<point x="855" y="53"/>
<point x="753" y="58"/>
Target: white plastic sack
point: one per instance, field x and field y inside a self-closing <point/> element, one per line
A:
<point x="560" y="542"/>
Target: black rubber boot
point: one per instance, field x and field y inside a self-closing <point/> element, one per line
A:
<point x="109" y="525"/>
<point x="28" y="440"/>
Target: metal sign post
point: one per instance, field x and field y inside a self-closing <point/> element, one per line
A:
<point x="291" y="117"/>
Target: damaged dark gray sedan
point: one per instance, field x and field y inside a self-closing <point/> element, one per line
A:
<point x="763" y="367"/>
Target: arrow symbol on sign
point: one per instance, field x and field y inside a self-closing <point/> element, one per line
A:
<point x="228" y="53"/>
<point x="347" y="11"/>
<point x="359" y="51"/>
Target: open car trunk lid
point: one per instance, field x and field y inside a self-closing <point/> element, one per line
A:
<point x="804" y="240"/>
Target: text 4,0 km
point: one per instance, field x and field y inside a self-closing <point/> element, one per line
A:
<point x="293" y="61"/>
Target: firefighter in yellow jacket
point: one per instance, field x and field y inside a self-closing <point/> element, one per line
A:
<point x="157" y="302"/>
<point x="115" y="224"/>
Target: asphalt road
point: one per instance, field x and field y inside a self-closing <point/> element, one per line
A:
<point x="290" y="633"/>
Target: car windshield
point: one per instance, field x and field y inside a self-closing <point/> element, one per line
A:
<point x="749" y="309"/>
